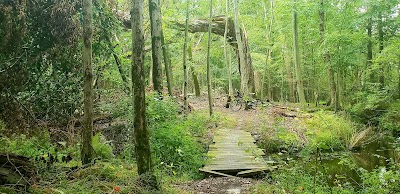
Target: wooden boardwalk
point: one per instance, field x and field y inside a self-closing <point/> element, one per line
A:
<point x="234" y="153"/>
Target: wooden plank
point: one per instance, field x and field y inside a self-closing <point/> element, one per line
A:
<point x="252" y="172"/>
<point x="214" y="173"/>
<point x="234" y="151"/>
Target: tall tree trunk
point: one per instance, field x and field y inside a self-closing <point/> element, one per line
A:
<point x="156" y="32"/>
<point x="141" y="135"/>
<point x="121" y="72"/>
<point x="369" y="50"/>
<point x="119" y="65"/>
<point x="87" y="131"/>
<point x="268" y="60"/>
<point x="167" y="63"/>
<point x="297" y="67"/>
<point x="380" y="34"/>
<point x="327" y="57"/>
<point x="209" y="61"/>
<point x="248" y="65"/>
<point x="289" y="74"/>
<point x="194" y="75"/>
<point x="398" y="71"/>
<point x="243" y="73"/>
<point x="227" y="63"/>
<point x="185" y="72"/>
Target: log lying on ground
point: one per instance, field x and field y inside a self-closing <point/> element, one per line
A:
<point x="15" y="169"/>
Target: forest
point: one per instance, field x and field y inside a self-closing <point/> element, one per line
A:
<point x="199" y="96"/>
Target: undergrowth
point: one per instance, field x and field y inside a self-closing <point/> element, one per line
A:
<point x="178" y="146"/>
<point x="328" y="131"/>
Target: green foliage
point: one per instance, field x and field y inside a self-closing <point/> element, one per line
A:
<point x="326" y="130"/>
<point x="381" y="180"/>
<point x="159" y="111"/>
<point x="294" y="179"/>
<point x="278" y="137"/>
<point x="32" y="147"/>
<point x="391" y="119"/>
<point x="102" y="147"/>
<point x="369" y="105"/>
<point x="101" y="177"/>
<point x="176" y="147"/>
<point x="2" y="127"/>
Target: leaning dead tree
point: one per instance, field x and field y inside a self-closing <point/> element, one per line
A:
<point x="218" y="24"/>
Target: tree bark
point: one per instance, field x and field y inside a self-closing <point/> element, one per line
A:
<point x="194" y="75"/>
<point x="381" y="34"/>
<point x="155" y="27"/>
<point x="398" y="83"/>
<point x="227" y="63"/>
<point x="268" y="60"/>
<point x="185" y="71"/>
<point x="369" y="49"/>
<point x="326" y="56"/>
<point x="240" y="52"/>
<point x="167" y="63"/>
<point x="141" y="135"/>
<point x="122" y="73"/>
<point x="87" y="149"/>
<point x="208" y="62"/>
<point x="289" y="73"/>
<point x="297" y="67"/>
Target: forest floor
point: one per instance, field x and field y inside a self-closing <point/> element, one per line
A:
<point x="247" y="120"/>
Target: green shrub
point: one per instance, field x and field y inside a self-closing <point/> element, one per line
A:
<point x="294" y="179"/>
<point x="176" y="144"/>
<point x="102" y="147"/>
<point x="391" y="119"/>
<point x="175" y="150"/>
<point x="160" y="110"/>
<point x="369" y="105"/>
<point x="33" y="147"/>
<point x="327" y="130"/>
<point x="381" y="180"/>
<point x="278" y="137"/>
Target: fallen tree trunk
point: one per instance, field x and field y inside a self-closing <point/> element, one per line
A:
<point x="218" y="28"/>
<point x="16" y="169"/>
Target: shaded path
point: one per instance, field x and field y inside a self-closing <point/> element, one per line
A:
<point x="234" y="153"/>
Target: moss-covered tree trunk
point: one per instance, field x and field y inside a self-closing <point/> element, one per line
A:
<point x="381" y="46"/>
<point x="369" y="49"/>
<point x="327" y="57"/>
<point x="167" y="63"/>
<point x="194" y="74"/>
<point x="155" y="28"/>
<point x="141" y="135"/>
<point x="87" y="149"/>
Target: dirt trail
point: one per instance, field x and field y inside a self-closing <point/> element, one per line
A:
<point x="243" y="120"/>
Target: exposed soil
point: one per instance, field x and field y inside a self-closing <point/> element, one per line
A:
<point x="220" y="185"/>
